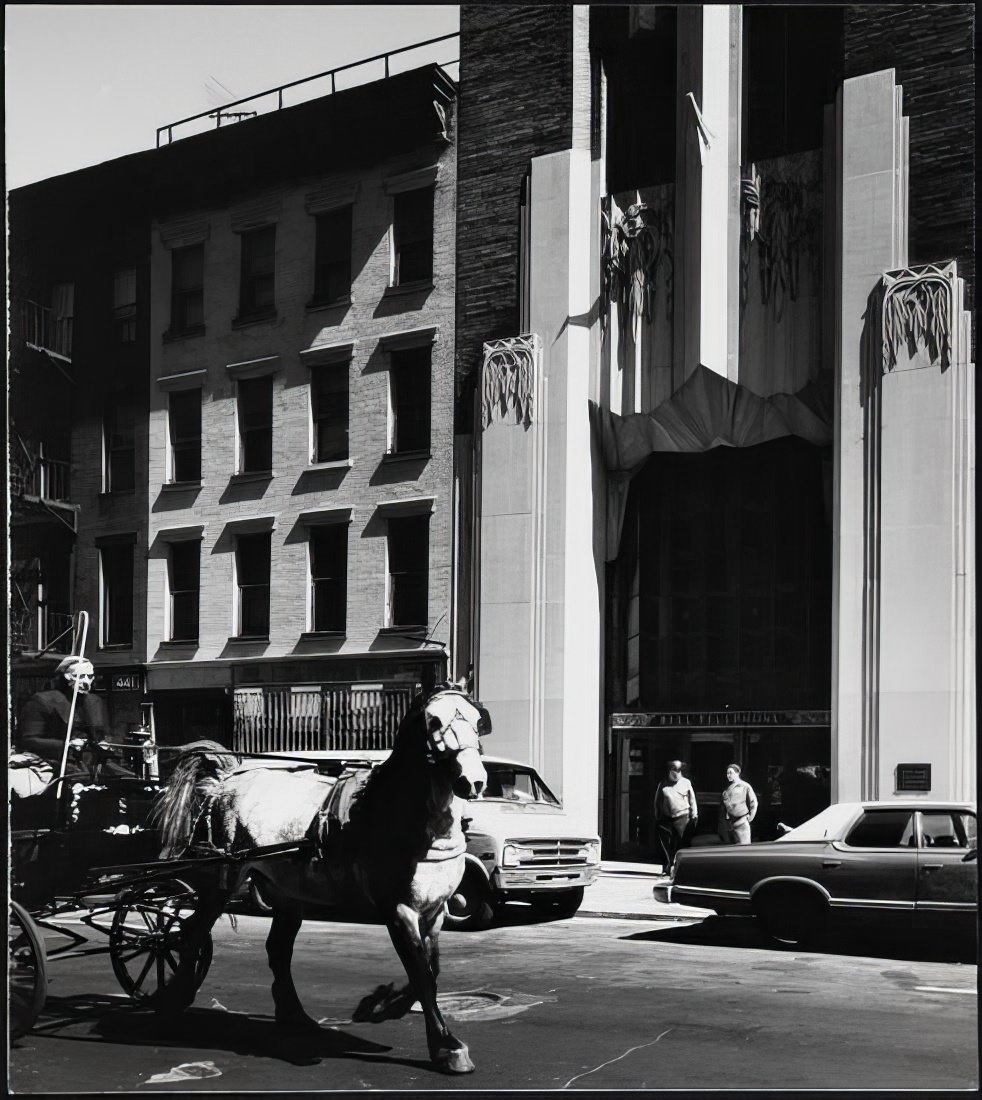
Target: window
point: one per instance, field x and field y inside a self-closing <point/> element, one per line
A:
<point x="256" y="289"/>
<point x="252" y="561"/>
<point x="329" y="408"/>
<point x="412" y="237"/>
<point x="328" y="576"/>
<point x="124" y="305"/>
<point x="119" y="456"/>
<point x="62" y="320"/>
<point x="882" y="829"/>
<point x="187" y="305"/>
<point x="184" y="583"/>
<point x="948" y="829"/>
<point x="409" y="397"/>
<point x="332" y="256"/>
<point x="116" y="566"/>
<point x="255" y="424"/>
<point x="185" y="435"/>
<point x="408" y="557"/>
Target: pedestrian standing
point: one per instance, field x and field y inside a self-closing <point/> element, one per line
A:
<point x="676" y="813"/>
<point x="737" y="808"/>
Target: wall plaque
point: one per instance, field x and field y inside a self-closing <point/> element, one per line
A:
<point x="913" y="777"/>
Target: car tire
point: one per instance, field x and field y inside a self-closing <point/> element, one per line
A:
<point x="793" y="916"/>
<point x="470" y="907"/>
<point x="561" y="903"/>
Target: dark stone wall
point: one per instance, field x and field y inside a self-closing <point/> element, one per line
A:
<point x="932" y="49"/>
<point x="515" y="102"/>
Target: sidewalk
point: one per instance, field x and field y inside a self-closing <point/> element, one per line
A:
<point x="624" y="890"/>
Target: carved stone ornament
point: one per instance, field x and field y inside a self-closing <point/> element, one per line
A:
<point x="918" y="312"/>
<point x="508" y="380"/>
<point x="635" y="244"/>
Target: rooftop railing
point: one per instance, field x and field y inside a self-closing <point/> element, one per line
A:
<point x="229" y="111"/>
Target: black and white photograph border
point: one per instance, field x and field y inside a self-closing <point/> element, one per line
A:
<point x="491" y="548"/>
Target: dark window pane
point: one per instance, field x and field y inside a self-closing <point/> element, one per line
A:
<point x="410" y="382"/>
<point x="120" y="454"/>
<point x="413" y="236"/>
<point x="185" y="435"/>
<point x="117" y="594"/>
<point x="124" y="304"/>
<point x="252" y="562"/>
<point x="408" y="550"/>
<point x="332" y="262"/>
<point x="187" y="287"/>
<point x="328" y="576"/>
<point x="329" y="386"/>
<point x="256" y="294"/>
<point x="185" y="561"/>
<point x="881" y="829"/>
<point x="255" y="424"/>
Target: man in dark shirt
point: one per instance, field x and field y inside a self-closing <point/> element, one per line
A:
<point x="44" y="723"/>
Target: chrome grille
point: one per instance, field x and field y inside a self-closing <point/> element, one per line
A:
<point x="550" y="852"/>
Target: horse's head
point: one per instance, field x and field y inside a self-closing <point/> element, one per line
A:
<point x="454" y="725"/>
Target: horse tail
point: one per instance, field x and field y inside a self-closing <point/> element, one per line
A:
<point x="196" y="777"/>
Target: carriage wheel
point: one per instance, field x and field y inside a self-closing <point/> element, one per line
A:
<point x="146" y="939"/>
<point x="28" y="973"/>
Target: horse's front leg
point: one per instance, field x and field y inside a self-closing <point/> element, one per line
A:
<point x="283" y="929"/>
<point x="415" y="943"/>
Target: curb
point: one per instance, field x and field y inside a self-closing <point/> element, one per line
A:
<point x="668" y="918"/>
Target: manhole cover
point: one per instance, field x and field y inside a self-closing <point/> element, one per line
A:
<point x="467" y="1002"/>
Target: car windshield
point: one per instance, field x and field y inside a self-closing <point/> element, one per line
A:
<point x="514" y="783"/>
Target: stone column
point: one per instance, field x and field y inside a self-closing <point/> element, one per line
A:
<point x="707" y="190"/>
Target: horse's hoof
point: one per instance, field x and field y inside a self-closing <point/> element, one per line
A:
<point x="454" y="1061"/>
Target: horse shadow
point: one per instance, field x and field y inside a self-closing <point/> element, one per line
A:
<point x="208" y="1029"/>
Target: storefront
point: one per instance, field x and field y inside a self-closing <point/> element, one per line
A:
<point x="785" y="756"/>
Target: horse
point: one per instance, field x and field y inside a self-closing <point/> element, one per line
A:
<point x="388" y="839"/>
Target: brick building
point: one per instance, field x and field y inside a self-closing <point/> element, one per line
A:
<point x="714" y="292"/>
<point x="265" y="476"/>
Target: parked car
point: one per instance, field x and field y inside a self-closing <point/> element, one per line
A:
<point x="904" y="865"/>
<point x="521" y="845"/>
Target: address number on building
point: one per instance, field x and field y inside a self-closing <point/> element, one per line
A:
<point x="126" y="681"/>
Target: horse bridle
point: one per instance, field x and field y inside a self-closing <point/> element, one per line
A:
<point x="441" y="738"/>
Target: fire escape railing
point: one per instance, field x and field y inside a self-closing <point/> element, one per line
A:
<point x="45" y="331"/>
<point x="35" y="474"/>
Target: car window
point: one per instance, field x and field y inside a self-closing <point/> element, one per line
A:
<point x="944" y="829"/>
<point x="882" y="829"/>
<point x="512" y="784"/>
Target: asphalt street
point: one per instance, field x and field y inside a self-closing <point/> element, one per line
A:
<point x="584" y="1003"/>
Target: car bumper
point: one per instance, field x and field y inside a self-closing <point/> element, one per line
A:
<point x="662" y="891"/>
<point x="522" y="880"/>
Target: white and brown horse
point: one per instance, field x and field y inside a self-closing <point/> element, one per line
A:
<point x="390" y="839"/>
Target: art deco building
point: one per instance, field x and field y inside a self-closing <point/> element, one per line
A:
<point x="712" y="336"/>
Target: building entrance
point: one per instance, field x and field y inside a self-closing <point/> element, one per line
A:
<point x="785" y="756"/>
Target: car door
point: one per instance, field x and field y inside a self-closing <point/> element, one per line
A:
<point x="871" y="874"/>
<point x="947" y="876"/>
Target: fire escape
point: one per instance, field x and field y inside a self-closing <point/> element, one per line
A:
<point x="43" y="519"/>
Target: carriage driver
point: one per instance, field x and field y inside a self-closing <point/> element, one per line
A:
<point x="44" y="723"/>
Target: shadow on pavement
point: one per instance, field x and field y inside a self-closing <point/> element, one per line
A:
<point x="206" y="1029"/>
<point x="744" y="932"/>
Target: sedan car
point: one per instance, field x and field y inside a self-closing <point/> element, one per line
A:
<point x="905" y="865"/>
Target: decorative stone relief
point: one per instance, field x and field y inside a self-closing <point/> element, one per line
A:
<point x="635" y="245"/>
<point x="918" y="310"/>
<point x="781" y="199"/>
<point x="508" y="380"/>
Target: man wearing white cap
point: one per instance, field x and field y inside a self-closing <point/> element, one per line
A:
<point x="44" y="719"/>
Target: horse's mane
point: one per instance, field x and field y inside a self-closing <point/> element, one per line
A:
<point x="198" y="772"/>
<point x="394" y="818"/>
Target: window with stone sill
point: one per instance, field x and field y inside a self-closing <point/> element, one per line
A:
<point x="118" y="448"/>
<point x="116" y="584"/>
<point x="332" y="256"/>
<point x="184" y="425"/>
<point x="409" y="400"/>
<point x="407" y="571"/>
<point x="412" y="236"/>
<point x="330" y="412"/>
<point x="184" y="583"/>
<point x="187" y="311"/>
<point x="255" y="424"/>
<point x="257" y="296"/>
<point x="252" y="571"/>
<point x="328" y="577"/>
<point x="124" y="305"/>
